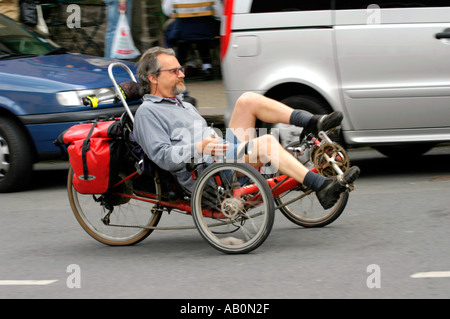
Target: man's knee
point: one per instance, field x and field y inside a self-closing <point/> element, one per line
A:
<point x="247" y="100"/>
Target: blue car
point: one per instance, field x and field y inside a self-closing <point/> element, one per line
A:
<point x="41" y="90"/>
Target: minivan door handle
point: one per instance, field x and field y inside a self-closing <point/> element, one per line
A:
<point x="443" y="35"/>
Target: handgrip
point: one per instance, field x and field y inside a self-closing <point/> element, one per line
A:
<point x="91" y="101"/>
<point x="442" y="35"/>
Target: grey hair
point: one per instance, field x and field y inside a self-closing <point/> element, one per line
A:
<point x="149" y="64"/>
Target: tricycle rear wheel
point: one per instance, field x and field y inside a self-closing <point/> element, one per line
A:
<point x="114" y="218"/>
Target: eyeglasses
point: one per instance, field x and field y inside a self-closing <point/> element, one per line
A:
<point x="175" y="70"/>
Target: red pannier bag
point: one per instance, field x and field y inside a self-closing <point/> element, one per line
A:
<point x="94" y="154"/>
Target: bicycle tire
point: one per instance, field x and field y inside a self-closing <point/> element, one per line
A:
<point x="308" y="212"/>
<point x="314" y="216"/>
<point x="131" y="216"/>
<point x="240" y="227"/>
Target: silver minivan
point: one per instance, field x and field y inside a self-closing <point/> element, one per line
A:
<point x="385" y="65"/>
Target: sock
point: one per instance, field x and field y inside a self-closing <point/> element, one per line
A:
<point x="300" y="118"/>
<point x="316" y="181"/>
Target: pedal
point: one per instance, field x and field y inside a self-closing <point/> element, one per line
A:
<point x="350" y="186"/>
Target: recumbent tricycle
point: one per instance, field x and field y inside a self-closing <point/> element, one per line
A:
<point x="233" y="205"/>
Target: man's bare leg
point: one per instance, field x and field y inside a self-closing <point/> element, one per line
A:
<point x="265" y="149"/>
<point x="251" y="106"/>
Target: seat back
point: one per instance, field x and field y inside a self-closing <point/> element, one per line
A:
<point x="170" y="187"/>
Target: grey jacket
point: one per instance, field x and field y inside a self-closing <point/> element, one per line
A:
<point x="167" y="131"/>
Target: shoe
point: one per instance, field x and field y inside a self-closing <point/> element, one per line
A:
<point x="329" y="195"/>
<point x="324" y="122"/>
<point x="329" y="121"/>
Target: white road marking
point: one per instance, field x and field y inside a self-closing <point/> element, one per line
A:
<point x="432" y="274"/>
<point x="26" y="282"/>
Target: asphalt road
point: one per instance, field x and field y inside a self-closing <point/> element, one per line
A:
<point x="391" y="242"/>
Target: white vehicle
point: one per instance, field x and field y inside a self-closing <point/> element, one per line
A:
<point x="386" y="66"/>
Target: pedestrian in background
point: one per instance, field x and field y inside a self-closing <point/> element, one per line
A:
<point x="113" y="8"/>
<point x="198" y="30"/>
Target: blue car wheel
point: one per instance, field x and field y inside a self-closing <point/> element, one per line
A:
<point x="16" y="159"/>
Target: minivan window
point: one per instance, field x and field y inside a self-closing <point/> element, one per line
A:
<point x="363" y="4"/>
<point x="259" y="6"/>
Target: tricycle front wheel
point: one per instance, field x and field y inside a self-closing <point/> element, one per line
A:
<point x="307" y="211"/>
<point x="233" y="207"/>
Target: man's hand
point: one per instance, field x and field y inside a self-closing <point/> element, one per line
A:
<point x="212" y="146"/>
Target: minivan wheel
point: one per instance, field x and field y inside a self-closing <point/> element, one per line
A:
<point x="16" y="162"/>
<point x="290" y="133"/>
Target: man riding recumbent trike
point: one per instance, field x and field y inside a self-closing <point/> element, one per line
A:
<point x="166" y="158"/>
